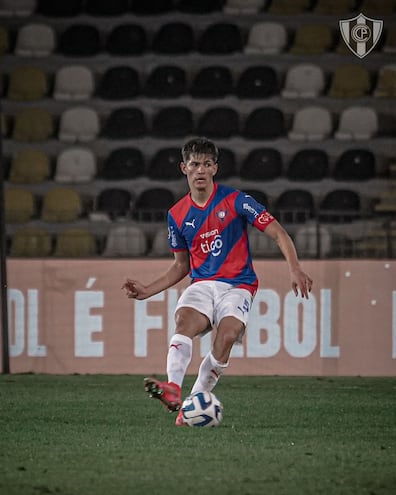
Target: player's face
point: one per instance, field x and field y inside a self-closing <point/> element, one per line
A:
<point x="200" y="170"/>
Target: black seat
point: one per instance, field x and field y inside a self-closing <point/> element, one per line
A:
<point x="60" y="8"/>
<point x="294" y="206"/>
<point x="80" y="40"/>
<point x="174" y="121"/>
<point x="124" y="123"/>
<point x="114" y="202"/>
<point x="259" y="196"/>
<point x="122" y="164"/>
<point x="220" y="39"/>
<point x="199" y="6"/>
<point x="265" y="123"/>
<point x="355" y="164"/>
<point x="127" y="39"/>
<point x="165" y="165"/>
<point x="174" y="38"/>
<point x="106" y="8"/>
<point x="152" y="205"/>
<point x="227" y="164"/>
<point x="153" y="7"/>
<point x="119" y="83"/>
<point x="262" y="164"/>
<point x="257" y="82"/>
<point x="308" y="165"/>
<point x="166" y="81"/>
<point x="219" y="122"/>
<point x="212" y="82"/>
<point x="339" y="206"/>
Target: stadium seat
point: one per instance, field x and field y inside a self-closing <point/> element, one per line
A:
<point x="173" y="121"/>
<point x="390" y="40"/>
<point x="35" y="40"/>
<point x="311" y="123"/>
<point x="386" y="83"/>
<point x="294" y="206"/>
<point x="339" y="206"/>
<point x="227" y="164"/>
<point x="17" y="8"/>
<point x="75" y="165"/>
<point x="304" y="81"/>
<point x="259" y="81"/>
<point x="31" y="242"/>
<point x="266" y="38"/>
<point x="73" y="83"/>
<point x="219" y="122"/>
<point x="174" y="38"/>
<point x="308" y="165"/>
<point x="19" y="205"/>
<point x="243" y="7"/>
<point x="286" y="7"/>
<point x="160" y="245"/>
<point x="214" y="81"/>
<point x="199" y="6"/>
<point x="355" y="164"/>
<point x="312" y="39"/>
<point x="166" y="81"/>
<point x="357" y="123"/>
<point x="78" y="124"/>
<point x="104" y="8"/>
<point x="33" y="124"/>
<point x="75" y="243"/>
<point x="350" y="81"/>
<point x="264" y="123"/>
<point x="152" y="204"/>
<point x="258" y="195"/>
<point x="262" y="164"/>
<point x="125" y="241"/>
<point x="80" y="40"/>
<point x="330" y="7"/>
<point x="221" y="38"/>
<point x="165" y="165"/>
<point x="61" y="205"/>
<point x="261" y="245"/>
<point x="123" y="164"/>
<point x="27" y="83"/>
<point x="127" y="39"/>
<point x="112" y="204"/>
<point x="153" y="7"/>
<point x="313" y="241"/>
<point x="378" y="7"/>
<point x="125" y="123"/>
<point x="4" y="40"/>
<point x="30" y="166"/>
<point x="60" y="8"/>
<point x="119" y="83"/>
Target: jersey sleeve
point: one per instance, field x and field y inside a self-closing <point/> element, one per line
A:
<point x="176" y="241"/>
<point x="254" y="212"/>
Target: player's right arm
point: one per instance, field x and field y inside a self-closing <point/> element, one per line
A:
<point x="176" y="272"/>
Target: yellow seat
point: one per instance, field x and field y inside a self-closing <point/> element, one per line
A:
<point x="27" y="83"/>
<point x="61" y="205"/>
<point x="75" y="243"/>
<point x="31" y="242"/>
<point x="286" y="7"/>
<point x="331" y="7"/>
<point x="386" y="84"/>
<point x="33" y="124"/>
<point x="350" y="81"/>
<point x="29" y="166"/>
<point x="19" y="205"/>
<point x="312" y="39"/>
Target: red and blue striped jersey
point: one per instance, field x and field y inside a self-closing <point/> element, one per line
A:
<point x="215" y="235"/>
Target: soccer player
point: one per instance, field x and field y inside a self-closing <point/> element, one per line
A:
<point x="207" y="231"/>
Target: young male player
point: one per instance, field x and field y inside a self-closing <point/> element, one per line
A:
<point x="207" y="231"/>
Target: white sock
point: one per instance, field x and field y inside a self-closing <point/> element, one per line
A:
<point x="209" y="373"/>
<point x="179" y="357"/>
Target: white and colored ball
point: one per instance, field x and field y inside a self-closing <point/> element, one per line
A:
<point x="202" y="409"/>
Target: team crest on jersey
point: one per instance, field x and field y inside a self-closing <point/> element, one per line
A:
<point x="221" y="214"/>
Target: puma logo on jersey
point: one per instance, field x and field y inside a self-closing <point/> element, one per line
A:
<point x="191" y="224"/>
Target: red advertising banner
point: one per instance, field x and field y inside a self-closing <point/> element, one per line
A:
<point x="68" y="316"/>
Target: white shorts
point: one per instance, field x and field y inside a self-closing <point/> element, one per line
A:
<point x="216" y="300"/>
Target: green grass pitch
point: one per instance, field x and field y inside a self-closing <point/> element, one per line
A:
<point x="99" y="434"/>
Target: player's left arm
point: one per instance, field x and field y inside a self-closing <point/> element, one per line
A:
<point x="299" y="279"/>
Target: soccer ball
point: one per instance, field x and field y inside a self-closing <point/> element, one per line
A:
<point x="202" y="409"/>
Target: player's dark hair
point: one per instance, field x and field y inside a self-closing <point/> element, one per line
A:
<point x="199" y="146"/>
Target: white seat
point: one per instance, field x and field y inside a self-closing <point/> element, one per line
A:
<point x="160" y="246"/>
<point x="73" y="83"/>
<point x="266" y="38"/>
<point x="78" y="124"/>
<point x="125" y="240"/>
<point x="311" y="240"/>
<point x="304" y="81"/>
<point x="20" y="8"/>
<point x="357" y="123"/>
<point x="35" y="40"/>
<point x="261" y="244"/>
<point x="244" y="7"/>
<point x="311" y="124"/>
<point x="75" y="165"/>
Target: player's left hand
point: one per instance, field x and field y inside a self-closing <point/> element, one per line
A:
<point x="301" y="282"/>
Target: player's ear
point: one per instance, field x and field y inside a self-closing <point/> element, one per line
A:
<point x="215" y="169"/>
<point x="183" y="168"/>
